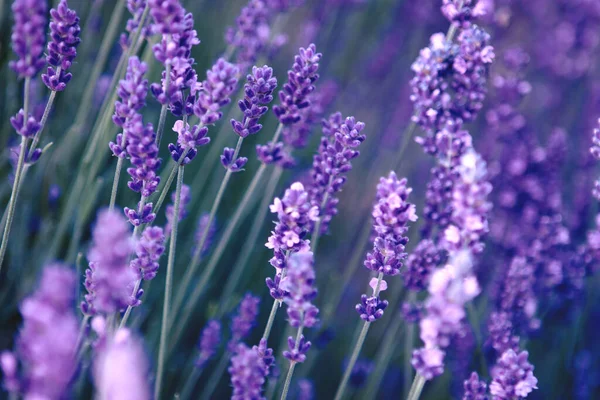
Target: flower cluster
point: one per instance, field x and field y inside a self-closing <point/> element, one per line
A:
<point x="295" y="214"/>
<point x="450" y="288"/>
<point x="512" y="376"/>
<point x="209" y="342"/>
<point x="27" y="128"/>
<point x="215" y="91"/>
<point x="184" y="200"/>
<point x="121" y="366"/>
<point x="44" y="361"/>
<point x="331" y="163"/>
<point x="148" y="249"/>
<point x="462" y="12"/>
<point x="188" y="139"/>
<point x="391" y="214"/>
<point x="595" y="150"/>
<point x="244" y="320"/>
<point x="28" y="37"/>
<point x="132" y="90"/>
<point x="62" y="46"/>
<point x="136" y="8"/>
<point x="475" y="389"/>
<point x="420" y="264"/>
<point x="251" y="34"/>
<point x="109" y="279"/>
<point x="298" y="285"/>
<point x="248" y="372"/>
<point x="449" y="82"/>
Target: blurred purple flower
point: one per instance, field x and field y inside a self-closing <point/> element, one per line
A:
<point x="148" y="249"/>
<point x="28" y="36"/>
<point x="248" y="372"/>
<point x="209" y="342"/>
<point x="244" y="320"/>
<point x="475" y="389"/>
<point x="512" y="376"/>
<point x="215" y="92"/>
<point x="299" y="288"/>
<point x="184" y="199"/>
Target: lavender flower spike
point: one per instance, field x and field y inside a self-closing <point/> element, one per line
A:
<point x="62" y="47"/>
<point x="475" y="389"/>
<point x="121" y="366"/>
<point x="209" y="342"/>
<point x="215" y="91"/>
<point x="512" y="376"/>
<point x="28" y="37"/>
<point x="149" y="248"/>
<point x="595" y="150"/>
<point x="244" y="320"/>
<point x="248" y="372"/>
<point x="42" y="366"/>
<point x="109" y="279"/>
<point x="251" y="35"/>
<point x="188" y="139"/>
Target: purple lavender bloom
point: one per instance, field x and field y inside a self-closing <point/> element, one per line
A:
<point x="462" y="12"/>
<point x="42" y="366"/>
<point x="148" y="249"/>
<point x="24" y="128"/>
<point x="449" y="82"/>
<point x="297" y="349"/>
<point x="306" y="390"/>
<point x="595" y="150"/>
<point x="371" y="308"/>
<point x="412" y="312"/>
<point x="168" y="16"/>
<point x="244" y="320"/>
<point x="293" y="96"/>
<point x="229" y="163"/>
<point x="501" y="335"/>
<point x="258" y="92"/>
<point x="274" y="153"/>
<point x="28" y="37"/>
<point x="475" y="389"/>
<point x="215" y="92"/>
<point x="332" y="162"/>
<point x="299" y="285"/>
<point x="202" y="222"/>
<point x="512" y="376"/>
<point x="517" y="296"/>
<point x="294" y="213"/>
<point x="188" y="139"/>
<point x="469" y="205"/>
<point x="360" y="372"/>
<point x="251" y="35"/>
<point x="136" y="8"/>
<point x="184" y="201"/>
<point x="121" y="368"/>
<point x="420" y="264"/>
<point x="391" y="214"/>
<point x="265" y="353"/>
<point x="248" y="372"/>
<point x="62" y="47"/>
<point x="450" y="288"/>
<point x="209" y="342"/>
<point x="132" y="90"/>
<point x="109" y="279"/>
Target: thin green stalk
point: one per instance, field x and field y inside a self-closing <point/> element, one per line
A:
<point x="269" y="326"/>
<point x="357" y="347"/>
<point x="314" y="241"/>
<point x="288" y="378"/>
<point x="38" y="134"/>
<point x="190" y="383"/>
<point x="416" y="388"/>
<point x="190" y="301"/>
<point x="215" y="377"/>
<point x="168" y="286"/>
<point x="115" y="185"/>
<point x="163" y="115"/>
<point x="249" y="244"/>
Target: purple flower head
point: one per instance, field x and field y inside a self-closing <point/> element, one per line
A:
<point x="143" y="155"/>
<point x="450" y="288"/>
<point x="360" y="372"/>
<point x="42" y="366"/>
<point x="294" y="95"/>
<point x="136" y="8"/>
<point x="244" y="320"/>
<point x="501" y="332"/>
<point x="306" y="390"/>
<point x="265" y="353"/>
<point x="168" y="16"/>
<point x="148" y="249"/>
<point x="274" y="153"/>
<point x="475" y="389"/>
<point x="332" y="162"/>
<point x="132" y="91"/>
<point x="512" y="376"/>
<point x="294" y="213"/>
<point x="449" y="82"/>
<point x="62" y="46"/>
<point x="297" y="349"/>
<point x="25" y="128"/>
<point x="251" y="34"/>
<point x="215" y="92"/>
<point x="595" y="150"/>
<point x="420" y="264"/>
<point x="121" y="366"/>
<point x="184" y="200"/>
<point x="248" y="372"/>
<point x="209" y="342"/>
<point x="299" y="286"/>
<point x="109" y="279"/>
<point x="258" y="92"/>
<point x="28" y="37"/>
<point x="470" y="206"/>
<point x="229" y="163"/>
<point x="371" y="308"/>
<point x="517" y="296"/>
<point x="202" y="222"/>
<point x="462" y="12"/>
<point x="391" y="214"/>
<point x="188" y="139"/>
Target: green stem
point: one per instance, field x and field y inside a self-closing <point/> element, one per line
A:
<point x="416" y="388"/>
<point x="357" y="347"/>
<point x="168" y="286"/>
<point x="288" y="378"/>
<point x="162" y="118"/>
<point x="269" y="326"/>
<point x="190" y="383"/>
<point x="115" y="186"/>
<point x="317" y="229"/>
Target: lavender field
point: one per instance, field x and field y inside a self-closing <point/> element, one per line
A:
<point x="299" y="199"/>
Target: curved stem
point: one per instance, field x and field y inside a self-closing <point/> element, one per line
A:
<point x="314" y="240"/>
<point x="168" y="286"/>
<point x="416" y="388"/>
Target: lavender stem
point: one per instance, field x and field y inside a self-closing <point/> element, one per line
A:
<point x="168" y="285"/>
<point x="215" y="377"/>
<point x="416" y="388"/>
<point x="288" y="378"/>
